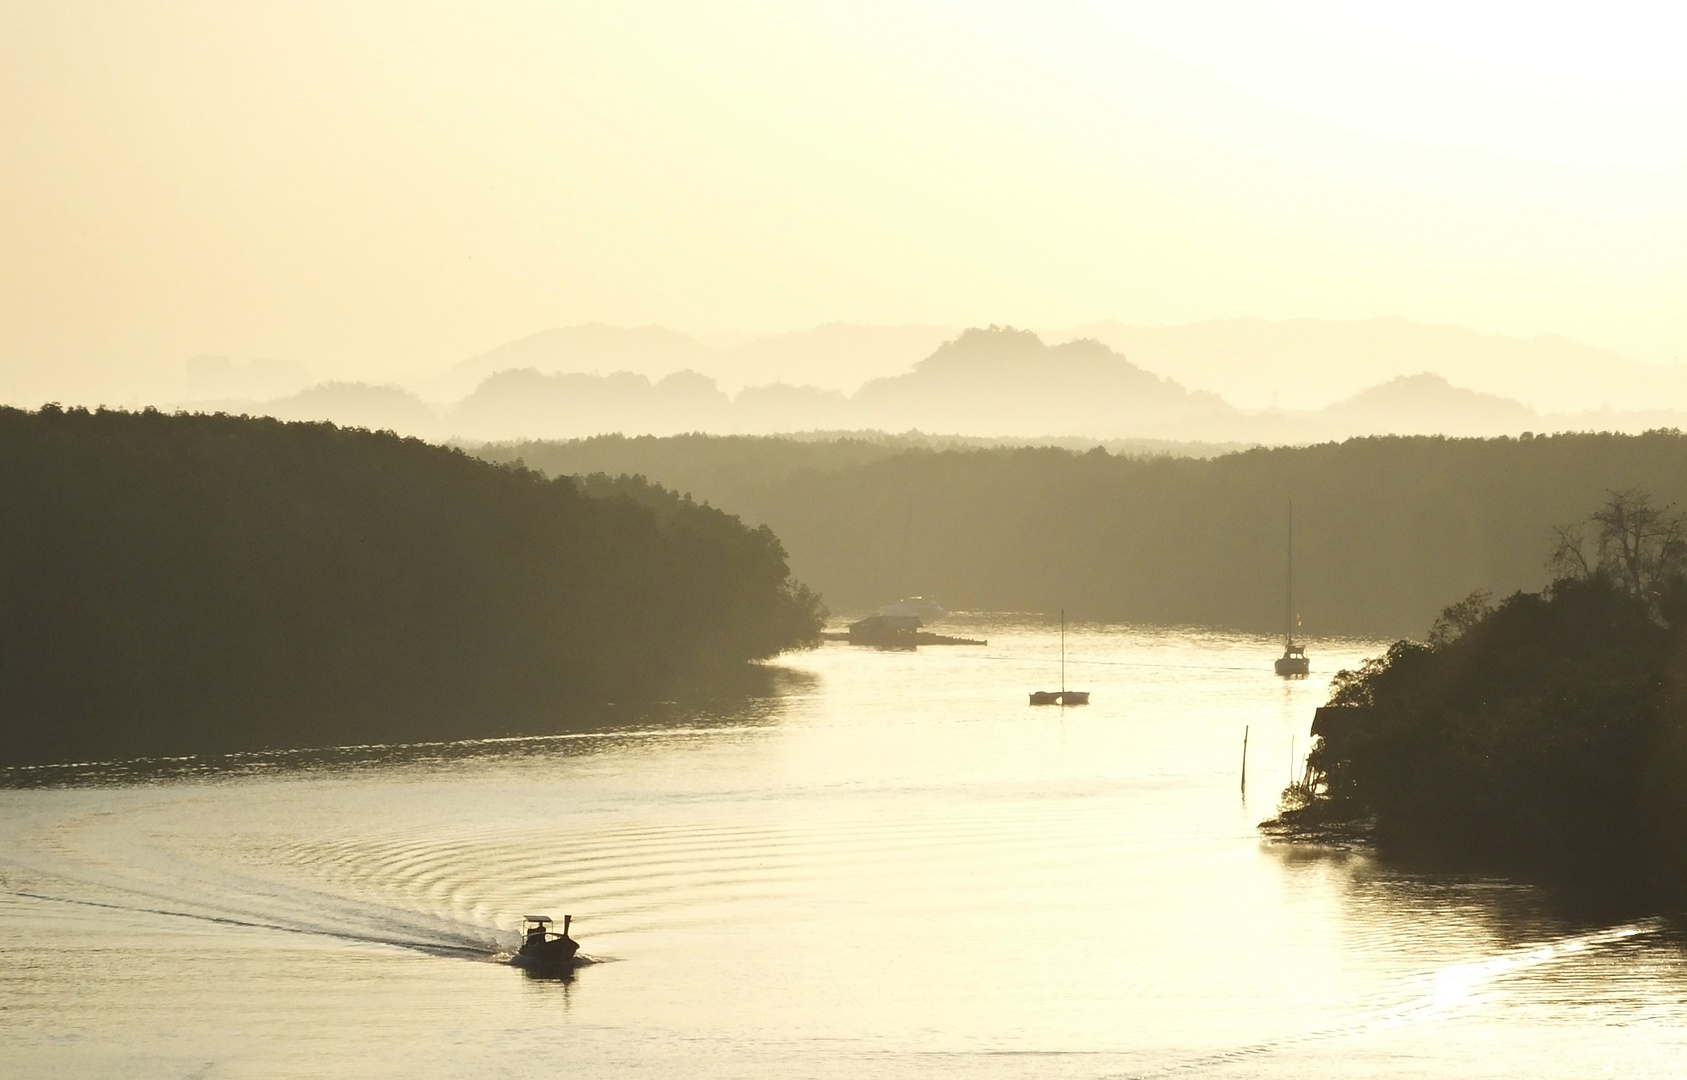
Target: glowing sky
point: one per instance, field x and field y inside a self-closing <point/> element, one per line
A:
<point x="374" y="188"/>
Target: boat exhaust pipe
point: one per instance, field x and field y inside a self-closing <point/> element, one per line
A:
<point x="566" y="919"/>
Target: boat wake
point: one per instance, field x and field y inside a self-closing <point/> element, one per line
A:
<point x="1437" y="994"/>
<point x="433" y="948"/>
<point x="127" y="855"/>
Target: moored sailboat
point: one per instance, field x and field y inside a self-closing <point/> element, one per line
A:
<point x="1293" y="663"/>
<point x="1062" y="696"/>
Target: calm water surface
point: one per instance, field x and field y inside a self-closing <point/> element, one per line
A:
<point x="893" y="868"/>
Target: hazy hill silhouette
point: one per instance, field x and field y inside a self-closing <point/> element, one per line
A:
<point x="836" y="357"/>
<point x="526" y="404"/>
<point x="1002" y="382"/>
<point x="1006" y="381"/>
<point x="378" y="408"/>
<point x="1426" y="405"/>
<point x="590" y="348"/>
<point x="1303" y="364"/>
<point x="989" y="381"/>
<point x="348" y="404"/>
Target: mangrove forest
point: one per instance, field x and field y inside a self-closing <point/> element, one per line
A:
<point x="175" y="584"/>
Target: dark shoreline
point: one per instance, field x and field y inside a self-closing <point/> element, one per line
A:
<point x="699" y="716"/>
<point x="1311" y="826"/>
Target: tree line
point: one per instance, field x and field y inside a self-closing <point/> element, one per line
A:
<point x="1385" y="528"/>
<point x="186" y="583"/>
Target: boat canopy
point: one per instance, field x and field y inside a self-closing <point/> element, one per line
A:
<point x="538" y="918"/>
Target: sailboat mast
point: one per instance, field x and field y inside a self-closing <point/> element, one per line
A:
<point x="1289" y="591"/>
<point x="1063" y="650"/>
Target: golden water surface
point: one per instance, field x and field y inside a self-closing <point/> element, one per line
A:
<point x="892" y="867"/>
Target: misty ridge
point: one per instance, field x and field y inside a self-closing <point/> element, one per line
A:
<point x="1379" y="377"/>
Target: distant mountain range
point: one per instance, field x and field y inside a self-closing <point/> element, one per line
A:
<point x="838" y="356"/>
<point x="1007" y="381"/>
<point x="1307" y="364"/>
<point x="1296" y="365"/>
<point x="990" y="382"/>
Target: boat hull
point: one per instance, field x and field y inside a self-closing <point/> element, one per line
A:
<point x="558" y="952"/>
<point x="1293" y="665"/>
<point x="1060" y="697"/>
<point x="541" y="963"/>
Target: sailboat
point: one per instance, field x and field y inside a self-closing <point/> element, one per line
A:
<point x="1293" y="662"/>
<point x="1062" y="696"/>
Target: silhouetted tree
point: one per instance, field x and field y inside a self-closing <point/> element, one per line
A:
<point x="1457" y="619"/>
<point x="1641" y="547"/>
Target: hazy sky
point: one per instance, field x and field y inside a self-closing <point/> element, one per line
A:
<point x="374" y="188"/>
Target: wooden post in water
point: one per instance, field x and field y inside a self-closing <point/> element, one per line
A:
<point x="1244" y="761"/>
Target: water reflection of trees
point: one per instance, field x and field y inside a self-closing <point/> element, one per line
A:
<point x="1414" y="907"/>
<point x="740" y="702"/>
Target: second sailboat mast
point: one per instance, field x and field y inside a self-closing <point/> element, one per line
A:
<point x="1289" y="591"/>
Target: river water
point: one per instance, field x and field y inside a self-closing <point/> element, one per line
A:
<point x="892" y="867"/>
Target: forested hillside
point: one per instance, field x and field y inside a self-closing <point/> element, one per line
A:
<point x="1386" y="529"/>
<point x="171" y="584"/>
<point x="1546" y="734"/>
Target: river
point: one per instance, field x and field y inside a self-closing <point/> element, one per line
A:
<point x="891" y="867"/>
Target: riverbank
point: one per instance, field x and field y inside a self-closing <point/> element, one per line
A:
<point x="1545" y="737"/>
<point x="185" y="584"/>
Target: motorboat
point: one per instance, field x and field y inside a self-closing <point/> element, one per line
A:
<point x="541" y="947"/>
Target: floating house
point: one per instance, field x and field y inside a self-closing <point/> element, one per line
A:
<point x="893" y="631"/>
<point x="886" y="630"/>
